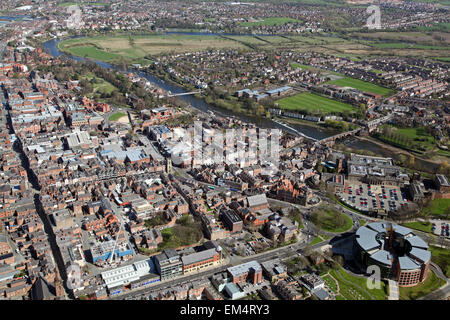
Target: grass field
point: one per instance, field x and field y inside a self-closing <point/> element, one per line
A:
<point x="362" y="85"/>
<point x="401" y="45"/>
<point x="296" y="65"/>
<point x="419" y="225"/>
<point x="180" y="235"/>
<point x="137" y="50"/>
<point x="431" y="283"/>
<point x="316" y="240"/>
<point x="116" y="116"/>
<point x="349" y="289"/>
<point x="441" y="257"/>
<point x="99" y="85"/>
<point x="416" y="139"/>
<point x="311" y="102"/>
<point x="273" y="21"/>
<point x="331" y="220"/>
<point x="437" y="207"/>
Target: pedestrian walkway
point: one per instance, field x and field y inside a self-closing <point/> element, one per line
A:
<point x="393" y="290"/>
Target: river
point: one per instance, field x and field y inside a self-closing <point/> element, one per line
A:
<point x="51" y="47"/>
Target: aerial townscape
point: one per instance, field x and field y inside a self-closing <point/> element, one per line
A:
<point x="220" y="150"/>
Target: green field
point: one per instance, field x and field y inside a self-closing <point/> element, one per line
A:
<point x="437" y="207"/>
<point x="431" y="283"/>
<point x="401" y="45"/>
<point x="416" y="139"/>
<point x="350" y="287"/>
<point x="180" y="235"/>
<point x="311" y="102"/>
<point x="116" y="116"/>
<point x="316" y="240"/>
<point x="419" y="225"/>
<point x="331" y="220"/>
<point x="67" y="4"/>
<point x="302" y="66"/>
<point x="138" y="49"/>
<point x="362" y="85"/>
<point x="274" y="21"/>
<point x="99" y="85"/>
<point x="441" y="257"/>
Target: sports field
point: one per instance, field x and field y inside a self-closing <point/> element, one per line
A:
<point x="137" y="49"/>
<point x="311" y="102"/>
<point x="362" y="85"/>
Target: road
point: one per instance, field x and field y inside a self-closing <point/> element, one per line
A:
<point x="282" y="253"/>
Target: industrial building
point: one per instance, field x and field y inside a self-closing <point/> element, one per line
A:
<point x="133" y="276"/>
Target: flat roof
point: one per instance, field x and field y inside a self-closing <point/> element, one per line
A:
<point x="244" y="268"/>
<point x="198" y="256"/>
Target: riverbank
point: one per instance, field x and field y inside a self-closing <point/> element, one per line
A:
<point x="372" y="147"/>
<point x="51" y="47"/>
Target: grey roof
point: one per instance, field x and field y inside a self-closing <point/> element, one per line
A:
<point x="198" y="256"/>
<point x="320" y="294"/>
<point x="377" y="226"/>
<point x="244" y="268"/>
<point x="257" y="200"/>
<point x="382" y="256"/>
<point x="406" y="263"/>
<point x="232" y="288"/>
<point x="423" y="255"/>
<point x="416" y="241"/>
<point x="366" y="238"/>
<point x="402" y="230"/>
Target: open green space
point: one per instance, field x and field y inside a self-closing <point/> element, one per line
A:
<point x="316" y="240"/>
<point x="331" y="220"/>
<point x="116" y="116"/>
<point x="431" y="283"/>
<point x="99" y="85"/>
<point x="273" y="21"/>
<point x="330" y="282"/>
<point x="296" y="215"/>
<point x="414" y="139"/>
<point x="362" y="85"/>
<point x="419" y="225"/>
<point x="68" y="4"/>
<point x="441" y="257"/>
<point x="350" y="287"/>
<point x="157" y="220"/>
<point x="437" y="207"/>
<point x="139" y="49"/>
<point x="402" y="45"/>
<point x="185" y="232"/>
<point x="296" y="65"/>
<point x="311" y="103"/>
